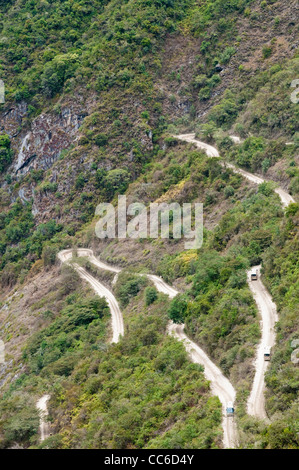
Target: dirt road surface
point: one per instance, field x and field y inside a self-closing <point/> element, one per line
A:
<point x="220" y="385"/>
<point x="211" y="151"/>
<point x="41" y="405"/>
<point x="99" y="288"/>
<point x="267" y="309"/>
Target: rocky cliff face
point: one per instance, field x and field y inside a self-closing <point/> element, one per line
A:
<point x="41" y="143"/>
<point x="49" y="135"/>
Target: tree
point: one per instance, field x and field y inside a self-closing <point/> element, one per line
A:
<point x="101" y="140"/>
<point x="150" y="295"/>
<point x="177" y="309"/>
<point x="208" y="130"/>
<point x="117" y="181"/>
<point x="49" y="255"/>
<point x="20" y="418"/>
<point x="57" y="71"/>
<point x="5" y="152"/>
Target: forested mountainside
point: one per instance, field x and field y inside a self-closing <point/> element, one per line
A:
<point x="95" y="93"/>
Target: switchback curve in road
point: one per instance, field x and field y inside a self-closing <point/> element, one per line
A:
<point x="220" y="385"/>
<point x="116" y="316"/>
<point x="98" y="287"/>
<point x="211" y="151"/>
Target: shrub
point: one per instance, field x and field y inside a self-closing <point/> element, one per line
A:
<point x="266" y="163"/>
<point x="204" y="94"/>
<point x="80" y="181"/>
<point x="177" y="309"/>
<point x="22" y="425"/>
<point x="266" y="188"/>
<point x="292" y="209"/>
<point x="229" y="191"/>
<point x="5" y="152"/>
<point x="101" y="140"/>
<point x="57" y="71"/>
<point x="199" y="81"/>
<point x="225" y="112"/>
<point x="267" y="51"/>
<point x="117" y="180"/>
<point x="145" y="115"/>
<point x="227" y="54"/>
<point x="49" y="255"/>
<point x="128" y="286"/>
<point x="150" y="295"/>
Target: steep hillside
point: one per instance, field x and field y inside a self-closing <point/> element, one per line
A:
<point x="95" y="92"/>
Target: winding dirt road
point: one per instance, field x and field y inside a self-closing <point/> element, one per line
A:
<point x="99" y="288"/>
<point x="211" y="151"/>
<point x="220" y="385"/>
<point x="267" y="309"/>
<point x="116" y="316"/>
<point x="41" y="405"/>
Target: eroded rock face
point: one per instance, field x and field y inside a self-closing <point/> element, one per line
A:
<point x="12" y="119"/>
<point x="49" y="134"/>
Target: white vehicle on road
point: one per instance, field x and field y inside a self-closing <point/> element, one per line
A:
<point x="230" y="410"/>
<point x="267" y="353"/>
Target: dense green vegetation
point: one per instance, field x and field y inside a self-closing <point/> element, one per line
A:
<point x="120" y="56"/>
<point x="122" y="397"/>
<point x="117" y="397"/>
<point x="54" y="349"/>
<point x="21" y="242"/>
<point x="261" y="112"/>
<point x="219" y="311"/>
<point x="5" y="152"/>
<point x="74" y="41"/>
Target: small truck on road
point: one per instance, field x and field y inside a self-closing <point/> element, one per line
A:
<point x="230" y="409"/>
<point x="267" y="353"/>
